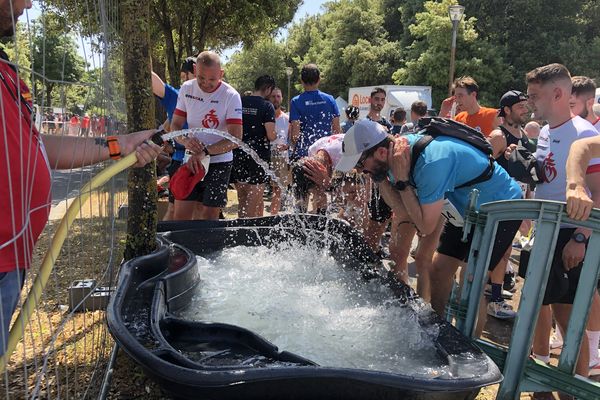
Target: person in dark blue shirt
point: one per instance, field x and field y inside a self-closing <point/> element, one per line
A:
<point x="313" y="114"/>
<point x="167" y="95"/>
<point x="258" y="119"/>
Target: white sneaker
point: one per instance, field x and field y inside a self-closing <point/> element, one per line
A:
<point x="501" y="310"/>
<point x="556" y="340"/>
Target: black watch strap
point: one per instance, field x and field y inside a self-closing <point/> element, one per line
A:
<point x="579" y="237"/>
<point x="401" y="185"/>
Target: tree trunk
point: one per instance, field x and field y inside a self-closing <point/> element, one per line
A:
<point x="49" y="87"/>
<point x="141" y="216"/>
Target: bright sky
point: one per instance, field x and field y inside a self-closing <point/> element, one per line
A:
<point x="308" y="7"/>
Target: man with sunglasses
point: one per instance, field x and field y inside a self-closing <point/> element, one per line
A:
<point x="419" y="197"/>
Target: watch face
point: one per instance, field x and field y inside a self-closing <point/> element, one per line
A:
<point x="579" y="238"/>
<point x="400" y="185"/>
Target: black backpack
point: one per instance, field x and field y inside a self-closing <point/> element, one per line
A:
<point x="432" y="127"/>
<point x="522" y="164"/>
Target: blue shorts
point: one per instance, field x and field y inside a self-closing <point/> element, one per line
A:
<point x="11" y="284"/>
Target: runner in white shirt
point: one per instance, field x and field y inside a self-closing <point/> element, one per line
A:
<point x="208" y="102"/>
<point x="312" y="174"/>
<point x="549" y="91"/>
<point x="583" y="96"/>
<point x="280" y="160"/>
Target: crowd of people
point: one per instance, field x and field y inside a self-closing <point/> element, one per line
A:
<point x="393" y="175"/>
<point x="79" y="125"/>
<point x="412" y="177"/>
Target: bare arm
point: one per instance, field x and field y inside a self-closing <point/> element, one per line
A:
<point x="498" y="142"/>
<point x="579" y="203"/>
<point x="177" y="122"/>
<point x="225" y="145"/>
<point x="335" y="126"/>
<point x="158" y="86"/>
<point x="496" y="123"/>
<point x="425" y="217"/>
<point x="294" y="132"/>
<point x="270" y="128"/>
<point x="65" y="152"/>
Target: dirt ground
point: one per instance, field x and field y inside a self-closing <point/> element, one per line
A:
<point x="84" y="343"/>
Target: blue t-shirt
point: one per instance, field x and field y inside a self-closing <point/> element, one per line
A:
<point x="346" y="125"/>
<point x="448" y="162"/>
<point x="169" y="102"/>
<point x="315" y="110"/>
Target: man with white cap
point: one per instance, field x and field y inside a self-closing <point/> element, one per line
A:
<point x="437" y="181"/>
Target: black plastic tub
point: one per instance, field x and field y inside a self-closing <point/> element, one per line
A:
<point x="198" y="360"/>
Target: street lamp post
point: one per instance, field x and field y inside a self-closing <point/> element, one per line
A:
<point x="456" y="13"/>
<point x="288" y="72"/>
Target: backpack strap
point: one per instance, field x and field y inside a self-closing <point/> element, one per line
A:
<point x="420" y="145"/>
<point x="416" y="151"/>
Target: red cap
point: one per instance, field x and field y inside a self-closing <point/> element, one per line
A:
<point x="183" y="181"/>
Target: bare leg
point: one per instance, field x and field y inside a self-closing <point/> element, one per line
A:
<point x="183" y="210"/>
<point x="441" y="276"/>
<point x="541" y="335"/>
<point x="373" y="231"/>
<point x="562" y="313"/>
<point x="207" y="213"/>
<point x="424" y="260"/>
<point x="169" y="215"/>
<point x="275" y="200"/>
<point x="402" y="236"/>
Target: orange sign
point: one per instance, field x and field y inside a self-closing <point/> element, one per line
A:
<point x="358" y="100"/>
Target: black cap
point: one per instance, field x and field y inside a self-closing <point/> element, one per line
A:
<point x="509" y="99"/>
<point x="188" y="65"/>
<point x="352" y="112"/>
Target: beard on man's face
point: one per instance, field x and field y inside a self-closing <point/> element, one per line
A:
<point x="379" y="172"/>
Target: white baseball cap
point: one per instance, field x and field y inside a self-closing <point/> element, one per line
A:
<point x="363" y="135"/>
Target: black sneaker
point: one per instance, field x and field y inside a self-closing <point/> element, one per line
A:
<point x="509" y="282"/>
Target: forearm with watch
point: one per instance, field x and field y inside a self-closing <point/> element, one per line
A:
<point x="581" y="235"/>
<point x="411" y="205"/>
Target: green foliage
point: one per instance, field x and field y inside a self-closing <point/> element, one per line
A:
<point x="534" y="33"/>
<point x="428" y="57"/>
<point x="54" y="54"/>
<point x="349" y="43"/>
<point x="265" y="57"/>
<point x="190" y="27"/>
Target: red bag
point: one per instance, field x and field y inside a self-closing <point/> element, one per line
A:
<point x="183" y="181"/>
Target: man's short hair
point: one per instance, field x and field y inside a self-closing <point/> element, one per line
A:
<point x="548" y="73"/>
<point x="264" y="83"/>
<point x="310" y="74"/>
<point x="583" y="86"/>
<point x="468" y="83"/>
<point x="208" y="59"/>
<point x="378" y="90"/>
<point x="277" y="88"/>
<point x="419" y="107"/>
<point x="188" y="65"/>
<point x="399" y="114"/>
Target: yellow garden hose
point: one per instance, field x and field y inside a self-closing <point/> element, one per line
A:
<point x="35" y="293"/>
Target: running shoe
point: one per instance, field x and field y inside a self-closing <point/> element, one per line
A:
<point x="501" y="310"/>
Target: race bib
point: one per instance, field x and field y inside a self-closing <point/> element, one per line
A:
<point x="452" y="215"/>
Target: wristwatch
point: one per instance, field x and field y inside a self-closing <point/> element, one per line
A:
<point x="579" y="237"/>
<point x="401" y="185"/>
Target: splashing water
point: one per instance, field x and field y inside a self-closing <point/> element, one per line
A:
<point x="302" y="300"/>
<point x="285" y="194"/>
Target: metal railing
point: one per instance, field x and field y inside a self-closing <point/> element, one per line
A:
<point x="522" y="373"/>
